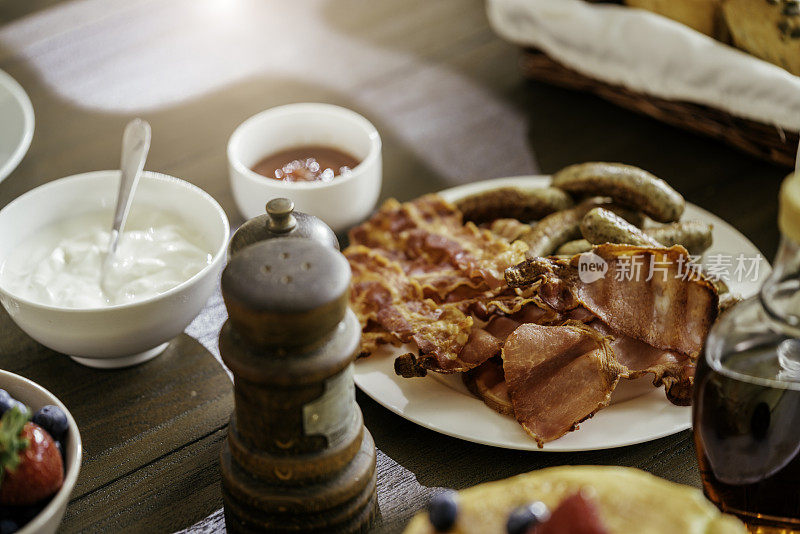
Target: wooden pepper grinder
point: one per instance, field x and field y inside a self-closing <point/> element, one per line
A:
<point x="298" y="457"/>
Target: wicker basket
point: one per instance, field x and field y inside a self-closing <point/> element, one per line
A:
<point x="765" y="141"/>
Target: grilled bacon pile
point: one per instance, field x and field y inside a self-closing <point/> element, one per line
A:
<point x="420" y="274"/>
<point x="530" y="338"/>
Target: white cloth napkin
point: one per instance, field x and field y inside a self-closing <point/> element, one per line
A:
<point x="650" y="54"/>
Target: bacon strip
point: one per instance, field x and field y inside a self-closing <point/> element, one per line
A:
<point x="421" y="275"/>
<point x="665" y="310"/>
<point x="673" y="370"/>
<point x="508" y="229"/>
<point x="428" y="236"/>
<point x="383" y="296"/>
<point x="557" y="376"/>
<point x="488" y="383"/>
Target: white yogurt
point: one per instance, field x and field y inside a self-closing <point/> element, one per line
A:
<point x="60" y="264"/>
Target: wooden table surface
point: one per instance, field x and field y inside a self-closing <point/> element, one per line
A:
<point x="442" y="89"/>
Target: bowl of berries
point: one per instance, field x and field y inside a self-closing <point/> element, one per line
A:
<point x="40" y="456"/>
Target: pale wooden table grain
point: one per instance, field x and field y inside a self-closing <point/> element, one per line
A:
<point x="442" y="89"/>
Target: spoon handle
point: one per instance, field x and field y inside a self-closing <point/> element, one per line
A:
<point x="135" y="146"/>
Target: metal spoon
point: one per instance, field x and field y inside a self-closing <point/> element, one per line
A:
<point x="135" y="146"/>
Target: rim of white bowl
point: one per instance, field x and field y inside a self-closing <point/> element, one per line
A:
<point x="146" y="175"/>
<point x="21" y="97"/>
<point x="71" y="476"/>
<point x="305" y="108"/>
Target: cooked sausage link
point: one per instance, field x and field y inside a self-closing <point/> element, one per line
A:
<point x="571" y="248"/>
<point x="603" y="226"/>
<point x="695" y="236"/>
<point x="626" y="184"/>
<point x="556" y="229"/>
<point x="521" y="203"/>
<point x="633" y="216"/>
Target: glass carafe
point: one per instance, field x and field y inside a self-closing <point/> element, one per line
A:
<point x="746" y="408"/>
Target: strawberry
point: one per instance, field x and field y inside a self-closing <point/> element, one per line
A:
<point x="576" y="514"/>
<point x="31" y="468"/>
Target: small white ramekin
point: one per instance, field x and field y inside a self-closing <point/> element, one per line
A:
<point x="342" y="202"/>
<point x="35" y="397"/>
<point x="124" y="334"/>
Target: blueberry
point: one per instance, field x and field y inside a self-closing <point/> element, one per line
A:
<point x="443" y="510"/>
<point x="7" y="402"/>
<point x="8" y="526"/>
<point x="525" y="517"/>
<point x="52" y="419"/>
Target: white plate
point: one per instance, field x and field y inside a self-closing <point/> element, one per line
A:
<point x="16" y="124"/>
<point x="638" y="413"/>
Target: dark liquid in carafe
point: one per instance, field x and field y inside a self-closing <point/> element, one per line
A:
<point x="747" y="437"/>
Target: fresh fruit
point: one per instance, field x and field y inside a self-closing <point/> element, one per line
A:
<point x="576" y="514"/>
<point x="525" y="517"/>
<point x="52" y="419"/>
<point x="7" y="402"/>
<point x="31" y="460"/>
<point x="11" y="441"/>
<point x="443" y="510"/>
<point x="31" y="468"/>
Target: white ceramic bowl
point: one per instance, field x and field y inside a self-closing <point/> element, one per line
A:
<point x="35" y="396"/>
<point x="125" y="334"/>
<point x="342" y="202"/>
<point x="16" y="124"/>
